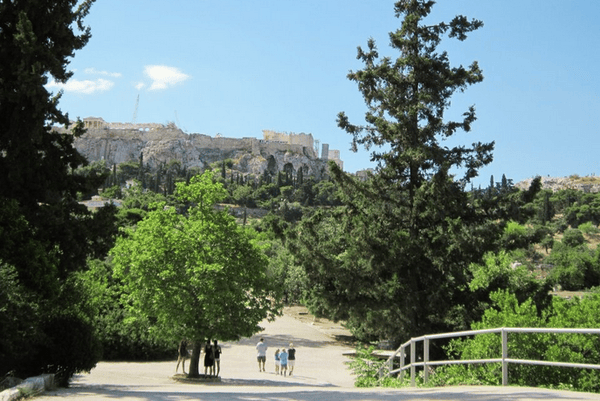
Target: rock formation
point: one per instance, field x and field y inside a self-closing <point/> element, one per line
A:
<point x="118" y="143"/>
<point x="589" y="184"/>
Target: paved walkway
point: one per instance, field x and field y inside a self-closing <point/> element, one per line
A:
<point x="320" y="374"/>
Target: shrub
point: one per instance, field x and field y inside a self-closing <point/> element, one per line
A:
<point x="70" y="347"/>
<point x="507" y="312"/>
<point x="588" y="228"/>
<point x="515" y="236"/>
<point x="573" y="238"/>
<point x="574" y="267"/>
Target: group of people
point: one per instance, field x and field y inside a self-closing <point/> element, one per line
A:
<point x="212" y="357"/>
<point x="284" y="358"/>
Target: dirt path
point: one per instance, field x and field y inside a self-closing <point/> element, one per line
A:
<point x="320" y="374"/>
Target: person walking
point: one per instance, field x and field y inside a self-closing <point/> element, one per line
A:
<point x="283" y="360"/>
<point x="291" y="358"/>
<point x="182" y="353"/>
<point x="261" y="354"/>
<point x="277" y="363"/>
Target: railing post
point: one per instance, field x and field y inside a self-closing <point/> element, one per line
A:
<point x="412" y="362"/>
<point x="425" y="360"/>
<point x="504" y="357"/>
<point x="402" y="356"/>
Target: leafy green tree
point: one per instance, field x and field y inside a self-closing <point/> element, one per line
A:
<point x="573" y="267"/>
<point x="242" y="195"/>
<point x="514" y="236"/>
<point x="198" y="274"/>
<point x="504" y="271"/>
<point x="394" y="260"/>
<point x="587" y="208"/>
<point x="573" y="237"/>
<point x="288" y="276"/>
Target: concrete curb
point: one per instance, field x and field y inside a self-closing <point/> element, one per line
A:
<point x="28" y="387"/>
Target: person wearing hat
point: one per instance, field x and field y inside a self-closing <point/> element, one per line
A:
<point x="291" y="357"/>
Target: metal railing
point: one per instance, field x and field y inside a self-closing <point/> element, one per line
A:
<point x="504" y="360"/>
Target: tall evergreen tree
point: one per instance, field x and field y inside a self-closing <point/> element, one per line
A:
<point x="38" y="187"/>
<point x="393" y="261"/>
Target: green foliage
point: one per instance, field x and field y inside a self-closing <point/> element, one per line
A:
<point x="589" y="228"/>
<point x="113" y="192"/>
<point x="573" y="238"/>
<point x="19" y="317"/>
<point x="585" y="209"/>
<point x="391" y="261"/>
<point x="70" y="346"/>
<point x="573" y="266"/>
<point x="326" y="194"/>
<point x="289" y="277"/>
<point x="514" y="236"/>
<point x="504" y="271"/>
<point x="508" y="312"/>
<point x="197" y="275"/>
<point x="365" y="366"/>
<point x="46" y="234"/>
<point x="123" y="333"/>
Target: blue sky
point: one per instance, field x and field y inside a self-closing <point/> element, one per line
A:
<point x="237" y="67"/>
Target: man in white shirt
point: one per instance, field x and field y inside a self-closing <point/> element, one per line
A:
<point x="261" y="357"/>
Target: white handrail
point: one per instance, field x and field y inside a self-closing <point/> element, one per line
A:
<point x="505" y="360"/>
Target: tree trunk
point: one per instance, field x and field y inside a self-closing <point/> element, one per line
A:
<point x="195" y="360"/>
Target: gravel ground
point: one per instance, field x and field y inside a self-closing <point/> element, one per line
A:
<point x="320" y="374"/>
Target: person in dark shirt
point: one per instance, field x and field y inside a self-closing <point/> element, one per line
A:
<point x="209" y="359"/>
<point x="217" y="354"/>
<point x="182" y="353"/>
<point x="291" y="358"/>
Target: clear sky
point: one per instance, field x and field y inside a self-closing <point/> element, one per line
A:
<point x="236" y="67"/>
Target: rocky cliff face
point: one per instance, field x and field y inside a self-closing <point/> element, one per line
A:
<point x="589" y="184"/>
<point x="166" y="143"/>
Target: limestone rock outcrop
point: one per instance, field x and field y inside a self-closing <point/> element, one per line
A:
<point x="157" y="144"/>
<point x="589" y="184"/>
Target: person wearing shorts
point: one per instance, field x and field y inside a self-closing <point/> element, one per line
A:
<point x="261" y="354"/>
<point x="291" y="358"/>
<point x="277" y="362"/>
<point x="283" y="360"/>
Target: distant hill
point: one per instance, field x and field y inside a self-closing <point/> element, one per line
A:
<point x="587" y="184"/>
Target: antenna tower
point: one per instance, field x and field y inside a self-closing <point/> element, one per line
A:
<point x="137" y="103"/>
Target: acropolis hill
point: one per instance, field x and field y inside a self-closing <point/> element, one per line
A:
<point x="123" y="142"/>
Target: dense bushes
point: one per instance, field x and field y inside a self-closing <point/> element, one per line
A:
<point x="123" y="335"/>
<point x="508" y="312"/>
<point x="70" y="345"/>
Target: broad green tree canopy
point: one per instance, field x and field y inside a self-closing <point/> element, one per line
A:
<point x="196" y="271"/>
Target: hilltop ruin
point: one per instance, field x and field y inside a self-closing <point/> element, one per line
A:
<point x="160" y="144"/>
